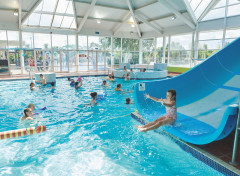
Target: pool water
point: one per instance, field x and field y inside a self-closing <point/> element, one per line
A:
<point x="105" y="142"/>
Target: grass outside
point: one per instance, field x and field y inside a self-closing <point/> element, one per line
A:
<point x="177" y="69"/>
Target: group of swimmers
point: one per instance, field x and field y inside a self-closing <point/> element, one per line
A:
<point x="43" y="82"/>
<point x="169" y="103"/>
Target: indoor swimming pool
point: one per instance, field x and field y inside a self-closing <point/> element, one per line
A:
<point x="79" y="140"/>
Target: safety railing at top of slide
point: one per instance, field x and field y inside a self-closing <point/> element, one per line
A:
<point x="29" y="69"/>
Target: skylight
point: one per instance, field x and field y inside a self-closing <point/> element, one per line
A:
<point x="53" y="13"/>
<point x="198" y="6"/>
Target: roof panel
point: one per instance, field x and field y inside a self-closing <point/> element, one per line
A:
<point x="67" y="21"/>
<point x="46" y="20"/>
<point x="49" y="6"/>
<point x="57" y="21"/>
<point x="62" y="6"/>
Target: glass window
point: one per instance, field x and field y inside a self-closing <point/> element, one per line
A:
<point x="73" y="25"/>
<point x="202" y="6"/>
<point x="117" y="44"/>
<point x="233" y="10"/>
<point x="159" y="50"/>
<point x="57" y="21"/>
<point x="182" y="42"/>
<point x="233" y="2"/>
<point x="34" y="19"/>
<point x="210" y="44"/>
<point x="46" y="20"/>
<point x="232" y="33"/>
<point x="72" y="42"/>
<point x="42" y="41"/>
<point x="130" y="44"/>
<point x="66" y="22"/>
<point x="3" y="39"/>
<point x="94" y="43"/>
<point x="210" y="35"/>
<point x="62" y="6"/>
<point x="148" y="50"/>
<point x="148" y="44"/>
<point x="108" y="44"/>
<point x="221" y="3"/>
<point x="59" y="41"/>
<point x="13" y="39"/>
<point x="49" y="6"/>
<point x="39" y="7"/>
<point x="70" y="8"/>
<point x="82" y="42"/>
<point x="27" y="40"/>
<point x="215" y="14"/>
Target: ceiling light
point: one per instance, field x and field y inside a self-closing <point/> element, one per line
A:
<point x="173" y="17"/>
<point x="98" y="21"/>
<point x="15" y="12"/>
<point x="132" y="25"/>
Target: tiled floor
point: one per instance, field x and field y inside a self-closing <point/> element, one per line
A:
<point x="223" y="149"/>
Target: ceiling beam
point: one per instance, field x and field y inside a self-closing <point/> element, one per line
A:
<point x="54" y="13"/>
<point x="31" y="10"/>
<point x="190" y="11"/>
<point x="86" y="15"/>
<point x="209" y="7"/>
<point x="133" y="16"/>
<point x="75" y="13"/>
<point x="20" y="14"/>
<point x="178" y="15"/>
<point x="165" y="16"/>
<point x="123" y="21"/>
<point x="148" y="23"/>
<point x="100" y="4"/>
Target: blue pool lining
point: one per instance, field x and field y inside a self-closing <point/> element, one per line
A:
<point x="202" y="156"/>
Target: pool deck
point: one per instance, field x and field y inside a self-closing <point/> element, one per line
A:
<point x="220" y="151"/>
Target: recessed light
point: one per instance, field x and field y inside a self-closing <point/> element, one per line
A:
<point x="173" y="17"/>
<point x="98" y="21"/>
<point x="132" y="25"/>
<point x="15" y="13"/>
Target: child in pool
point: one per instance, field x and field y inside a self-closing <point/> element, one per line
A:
<point x="94" y="97"/>
<point x="128" y="101"/>
<point x="32" y="86"/>
<point x="125" y="68"/>
<point x="140" y="69"/>
<point x="31" y="106"/>
<point x="72" y="82"/>
<point x="104" y="83"/>
<point x="52" y="85"/>
<point x="79" y="79"/>
<point x="77" y="86"/>
<point x="144" y="70"/>
<point x="131" y="70"/>
<point x="119" y="87"/>
<point x="43" y="80"/>
<point x="171" y="112"/>
<point x="127" y="77"/>
<point x="27" y="114"/>
<point x="69" y="79"/>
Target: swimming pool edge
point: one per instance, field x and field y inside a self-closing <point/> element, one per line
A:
<point x="198" y="153"/>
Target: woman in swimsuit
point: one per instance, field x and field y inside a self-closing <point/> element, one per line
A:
<point x="171" y="112"/>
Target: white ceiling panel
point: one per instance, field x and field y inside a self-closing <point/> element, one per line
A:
<point x="103" y="25"/>
<point x="103" y="12"/>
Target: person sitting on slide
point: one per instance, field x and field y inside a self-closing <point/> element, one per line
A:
<point x="171" y="112"/>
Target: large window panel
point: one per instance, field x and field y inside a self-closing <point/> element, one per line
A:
<point x="46" y="20"/>
<point x="159" y="50"/>
<point x="182" y="42"/>
<point x="66" y="22"/>
<point x="232" y="33"/>
<point x="116" y="44"/>
<point x="3" y="39"/>
<point x="148" y="50"/>
<point x="13" y="39"/>
<point x="59" y="41"/>
<point x="62" y="6"/>
<point x="27" y="40"/>
<point x="233" y="10"/>
<point x="131" y="57"/>
<point x="49" y="6"/>
<point x="130" y="44"/>
<point x="42" y="41"/>
<point x="57" y="21"/>
<point x="82" y="42"/>
<point x="72" y="42"/>
<point x="211" y="35"/>
<point x="215" y="14"/>
<point x="96" y="43"/>
<point x="210" y="44"/>
<point x="34" y="19"/>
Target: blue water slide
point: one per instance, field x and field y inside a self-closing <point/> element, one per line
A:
<point x="207" y="97"/>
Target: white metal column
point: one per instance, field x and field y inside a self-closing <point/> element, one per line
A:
<point x="140" y="51"/>
<point x="164" y="49"/>
<point x="169" y="40"/>
<point x="155" y="45"/>
<point x="111" y="53"/>
<point x="121" y="52"/>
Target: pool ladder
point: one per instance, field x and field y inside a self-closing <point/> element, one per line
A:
<point x="30" y="75"/>
<point x="233" y="161"/>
